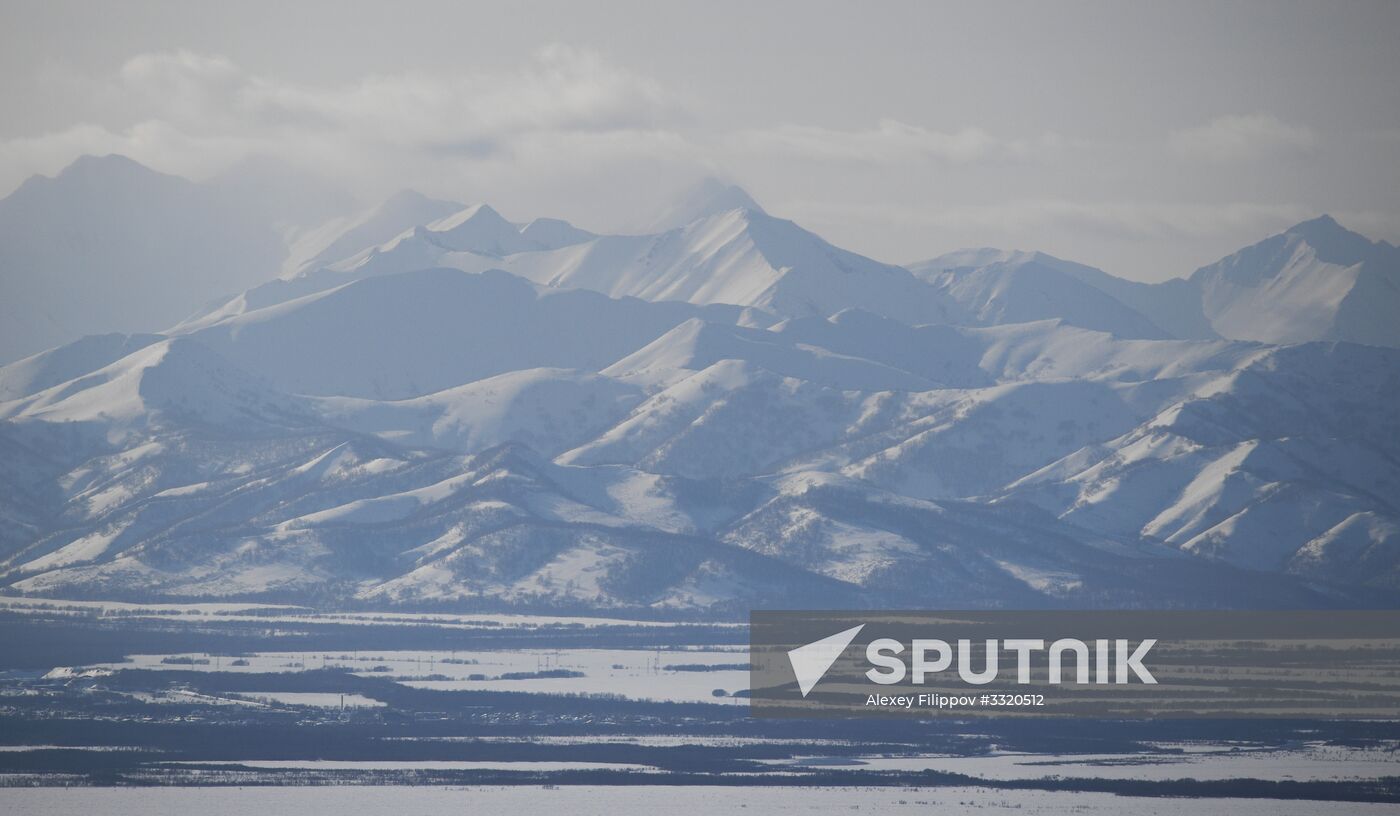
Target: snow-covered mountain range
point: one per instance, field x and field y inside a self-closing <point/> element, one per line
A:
<point x="1315" y="281"/>
<point x="431" y="405"/>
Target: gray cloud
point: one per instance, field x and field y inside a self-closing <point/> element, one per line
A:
<point x="890" y="141"/>
<point x="1242" y="137"/>
<point x="890" y="131"/>
<point x="200" y="112"/>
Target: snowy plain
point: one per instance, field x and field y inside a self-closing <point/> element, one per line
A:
<point x="609" y="801"/>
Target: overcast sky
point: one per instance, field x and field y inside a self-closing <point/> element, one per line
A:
<point x="1145" y="139"/>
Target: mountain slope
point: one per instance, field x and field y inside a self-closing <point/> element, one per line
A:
<point x="58" y="365"/>
<point x="960" y="555"/>
<point x="414" y="333"/>
<point x="1262" y="467"/>
<point x="1315" y="281"/>
<point x="998" y="288"/>
<point x="697" y="344"/>
<point x="177" y="380"/>
<point x="170" y="473"/>
<point x="546" y="409"/>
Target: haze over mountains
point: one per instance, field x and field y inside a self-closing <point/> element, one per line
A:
<point x="111" y="245"/>
<point x="434" y="406"/>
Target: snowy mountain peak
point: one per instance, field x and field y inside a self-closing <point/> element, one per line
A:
<point x="1324" y="222"/>
<point x="478" y="229"/>
<point x="554" y="233"/>
<point x="740" y="257"/>
<point x="1013" y="286"/>
<point x="109" y="245"/>
<point x="476" y="216"/>
<point x="1315" y="281"/>
<point x="110" y="166"/>
<point x="342" y="237"/>
<point x="965" y="261"/>
<point x="94" y="179"/>
<point x="971" y="258"/>
<point x="708" y="197"/>
<point x="1320" y="240"/>
<point x="712" y="195"/>
<point x="1334" y="244"/>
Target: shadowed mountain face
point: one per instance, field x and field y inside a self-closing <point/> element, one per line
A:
<point x="460" y="411"/>
<point x="110" y="245"/>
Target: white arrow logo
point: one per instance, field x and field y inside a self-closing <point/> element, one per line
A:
<point x="811" y="662"/>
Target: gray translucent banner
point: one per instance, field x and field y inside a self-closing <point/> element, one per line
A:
<point x="1101" y="664"/>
